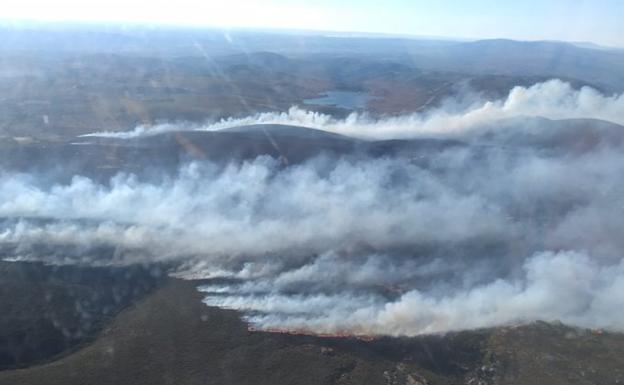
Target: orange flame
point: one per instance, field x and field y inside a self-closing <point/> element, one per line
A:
<point x="306" y="332"/>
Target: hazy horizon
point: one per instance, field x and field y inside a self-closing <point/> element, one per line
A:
<point x="597" y="22"/>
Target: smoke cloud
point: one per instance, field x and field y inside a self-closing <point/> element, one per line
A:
<point x="498" y="230"/>
<point x="553" y="99"/>
<point x="566" y="286"/>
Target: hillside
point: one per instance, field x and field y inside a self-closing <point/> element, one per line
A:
<point x="171" y="337"/>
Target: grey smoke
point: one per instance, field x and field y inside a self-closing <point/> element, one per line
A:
<point x="497" y="231"/>
<point x="566" y="286"/>
<point x="553" y="99"/>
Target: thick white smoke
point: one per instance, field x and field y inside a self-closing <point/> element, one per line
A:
<point x="470" y="236"/>
<point x="564" y="286"/>
<point x="553" y="99"/>
<point x="374" y="246"/>
<point x="252" y="209"/>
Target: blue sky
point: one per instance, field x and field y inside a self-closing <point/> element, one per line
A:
<point x="599" y="21"/>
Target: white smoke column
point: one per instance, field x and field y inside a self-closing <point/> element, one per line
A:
<point x="553" y="99"/>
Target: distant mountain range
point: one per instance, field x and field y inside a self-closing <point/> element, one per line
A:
<point x="583" y="61"/>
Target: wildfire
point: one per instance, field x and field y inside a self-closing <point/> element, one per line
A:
<point x="305" y="332"/>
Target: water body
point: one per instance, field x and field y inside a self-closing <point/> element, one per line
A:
<point x="343" y="99"/>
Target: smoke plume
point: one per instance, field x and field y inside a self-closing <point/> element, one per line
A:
<point x="516" y="224"/>
<point x="553" y="100"/>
